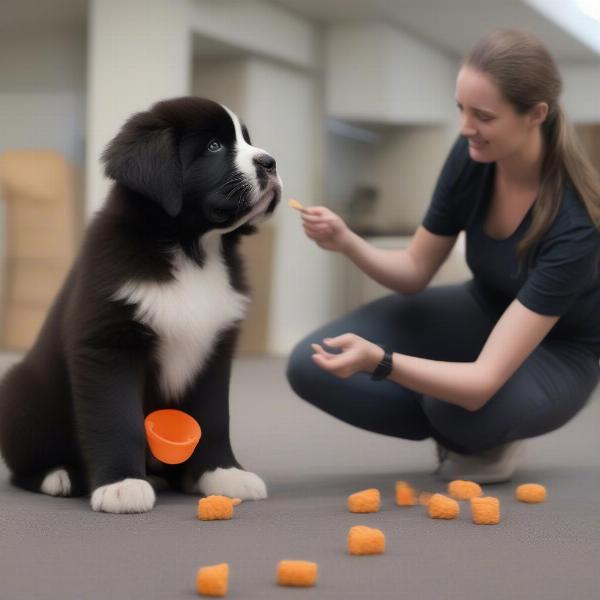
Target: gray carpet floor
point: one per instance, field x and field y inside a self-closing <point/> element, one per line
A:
<point x="57" y="548"/>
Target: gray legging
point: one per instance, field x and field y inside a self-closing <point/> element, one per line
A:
<point x="449" y="323"/>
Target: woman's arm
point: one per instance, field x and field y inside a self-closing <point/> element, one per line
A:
<point x="468" y="385"/>
<point x="405" y="271"/>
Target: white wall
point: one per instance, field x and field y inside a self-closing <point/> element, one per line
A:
<point x="349" y="163"/>
<point x="378" y="73"/>
<point x="581" y="92"/>
<point x="42" y="98"/>
<point x="42" y="90"/>
<point x="403" y="165"/>
<point x="223" y="80"/>
<point x="406" y="169"/>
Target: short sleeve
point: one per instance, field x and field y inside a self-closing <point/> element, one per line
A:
<point x="566" y="266"/>
<point x="441" y="216"/>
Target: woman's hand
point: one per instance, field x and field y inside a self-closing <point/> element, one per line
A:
<point x="357" y="354"/>
<point x="326" y="228"/>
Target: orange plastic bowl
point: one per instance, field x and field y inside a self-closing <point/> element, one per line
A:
<point x="172" y="435"/>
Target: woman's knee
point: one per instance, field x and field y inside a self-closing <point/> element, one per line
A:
<point x="302" y="372"/>
<point x="471" y="431"/>
<point x="543" y="394"/>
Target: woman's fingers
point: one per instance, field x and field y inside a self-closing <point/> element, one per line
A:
<point x="316" y="226"/>
<point x="318" y="235"/>
<point x="310" y="218"/>
<point x="328" y="362"/>
<point x="339" y="364"/>
<point x="341" y="341"/>
<point x="319" y="350"/>
<point x="314" y="210"/>
<point x="317" y="230"/>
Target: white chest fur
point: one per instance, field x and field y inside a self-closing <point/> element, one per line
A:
<point x="187" y="313"/>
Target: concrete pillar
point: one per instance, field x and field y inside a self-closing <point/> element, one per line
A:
<point x="139" y="52"/>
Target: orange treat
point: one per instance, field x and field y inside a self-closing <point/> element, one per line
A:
<point x="365" y="540"/>
<point x="405" y="494"/>
<point x="424" y="498"/>
<point x="442" y="507"/>
<point x="464" y="490"/>
<point x="295" y="204"/>
<point x="366" y="501"/>
<point x="297" y="573"/>
<point x="485" y="510"/>
<point x="531" y="492"/>
<point x="213" y="508"/>
<point x="236" y="501"/>
<point x="213" y="581"/>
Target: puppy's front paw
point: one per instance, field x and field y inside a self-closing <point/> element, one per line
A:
<point x="56" y="483"/>
<point x="127" y="496"/>
<point x="232" y="482"/>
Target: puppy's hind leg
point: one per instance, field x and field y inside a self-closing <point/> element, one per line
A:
<point x="62" y="481"/>
<point x="36" y="434"/>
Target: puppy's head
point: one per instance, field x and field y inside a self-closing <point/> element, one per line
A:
<point x="194" y="158"/>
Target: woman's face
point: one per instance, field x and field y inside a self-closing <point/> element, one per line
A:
<point x="494" y="129"/>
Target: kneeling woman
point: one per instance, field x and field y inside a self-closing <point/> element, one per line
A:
<point x="512" y="353"/>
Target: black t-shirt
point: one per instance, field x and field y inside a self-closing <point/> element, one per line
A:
<point x="561" y="274"/>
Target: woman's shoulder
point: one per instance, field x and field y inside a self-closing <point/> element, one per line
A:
<point x="573" y="220"/>
<point x="573" y="211"/>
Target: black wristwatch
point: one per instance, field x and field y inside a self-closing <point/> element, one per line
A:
<point x="384" y="368"/>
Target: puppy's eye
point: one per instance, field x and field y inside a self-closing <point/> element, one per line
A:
<point x="214" y="145"/>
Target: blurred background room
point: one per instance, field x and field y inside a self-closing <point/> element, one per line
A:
<point x="355" y="99"/>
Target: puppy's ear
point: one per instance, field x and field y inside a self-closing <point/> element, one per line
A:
<point x="146" y="160"/>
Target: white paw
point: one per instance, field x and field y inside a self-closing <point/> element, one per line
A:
<point x="232" y="482"/>
<point x="127" y="496"/>
<point x="56" y="483"/>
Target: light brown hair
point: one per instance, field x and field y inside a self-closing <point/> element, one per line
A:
<point x="526" y="74"/>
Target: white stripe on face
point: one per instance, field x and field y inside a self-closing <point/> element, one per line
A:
<point x="244" y="152"/>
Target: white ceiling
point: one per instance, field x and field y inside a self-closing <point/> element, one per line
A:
<point x="450" y="25"/>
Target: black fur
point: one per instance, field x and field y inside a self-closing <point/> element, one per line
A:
<point x="79" y="397"/>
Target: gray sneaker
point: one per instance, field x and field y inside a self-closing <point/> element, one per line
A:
<point x="490" y="466"/>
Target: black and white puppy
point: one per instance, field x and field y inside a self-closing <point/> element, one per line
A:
<point x="147" y="318"/>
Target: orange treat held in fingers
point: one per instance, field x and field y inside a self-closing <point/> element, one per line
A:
<point x="367" y="501"/>
<point x="405" y="494"/>
<point x="297" y="573"/>
<point x="213" y="581"/>
<point x="364" y="540"/>
<point x="295" y="204"/>
<point x="442" y="507"/>
<point x="464" y="490"/>
<point x="485" y="510"/>
<point x="531" y="492"/>
<point x="215" y="508"/>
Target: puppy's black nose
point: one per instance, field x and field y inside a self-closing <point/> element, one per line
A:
<point x="265" y="161"/>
